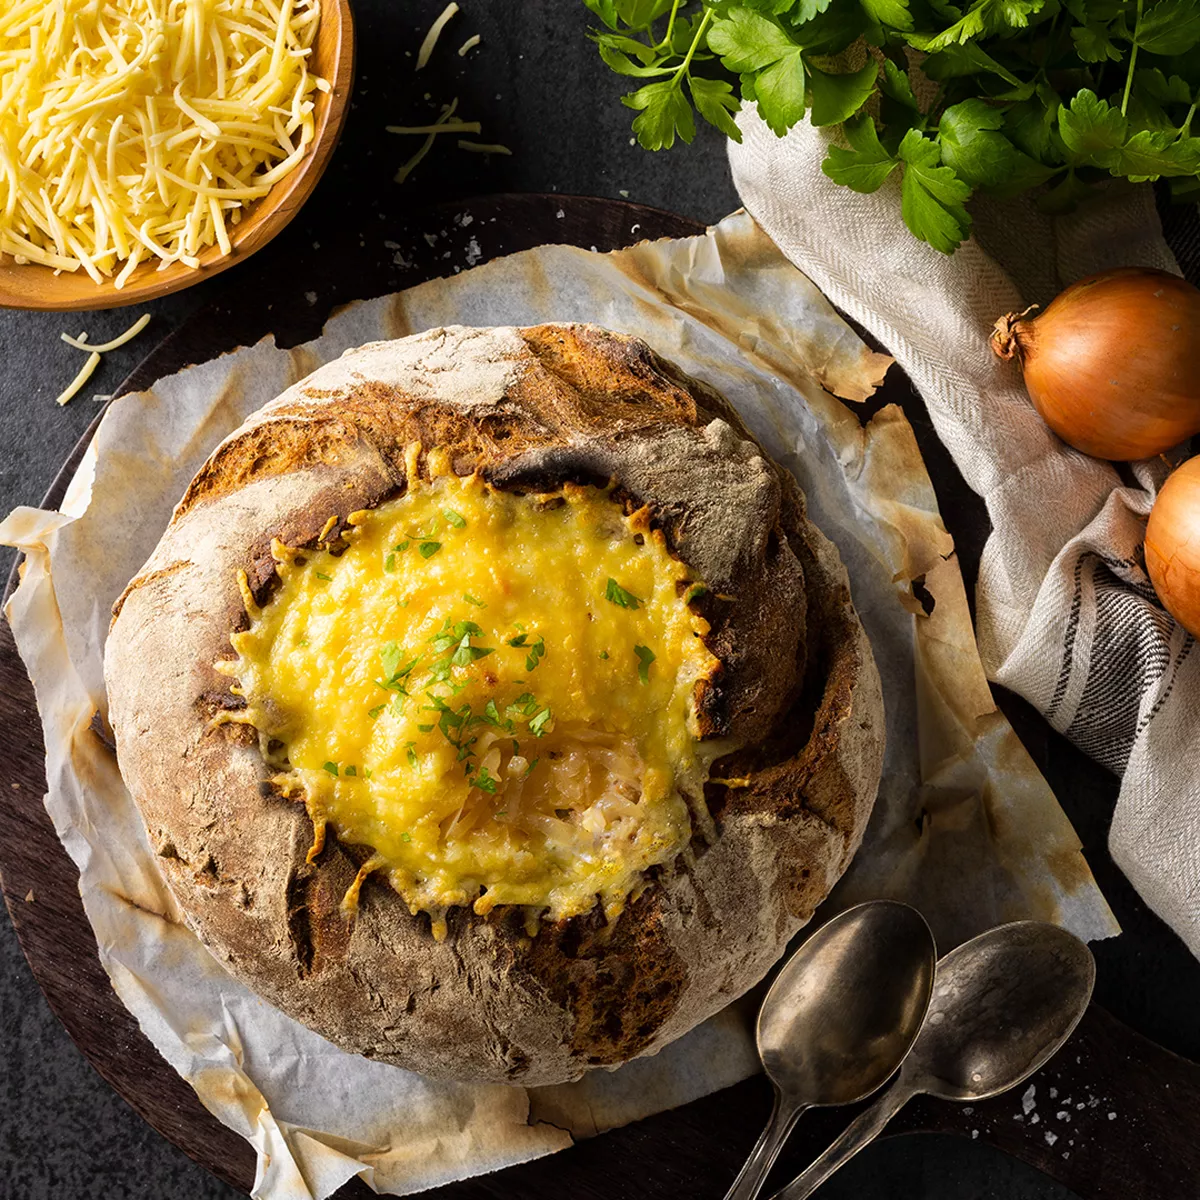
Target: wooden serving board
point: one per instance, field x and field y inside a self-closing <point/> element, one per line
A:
<point x="1114" y="1116"/>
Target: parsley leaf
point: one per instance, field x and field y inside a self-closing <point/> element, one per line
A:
<point x="973" y="146"/>
<point x="332" y="768"/>
<point x="894" y="13"/>
<point x="539" y="723"/>
<point x="866" y="164"/>
<point x="617" y="595"/>
<point x="663" y="114"/>
<point x="1170" y="27"/>
<point x="473" y="600"/>
<point x="932" y="196"/>
<point x="716" y="103"/>
<point x="1091" y="129"/>
<point x="429" y="549"/>
<point x="454" y="518"/>
<point x="645" y="657"/>
<point x="750" y="43"/>
<point x="836" y="98"/>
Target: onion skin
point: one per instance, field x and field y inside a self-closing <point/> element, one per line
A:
<point x="1173" y="545"/>
<point x="1113" y="364"/>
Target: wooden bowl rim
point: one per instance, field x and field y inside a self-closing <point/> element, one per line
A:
<point x="75" y="291"/>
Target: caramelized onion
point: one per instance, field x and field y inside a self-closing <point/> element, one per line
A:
<point x="1111" y="364"/>
<point x="1173" y="545"/>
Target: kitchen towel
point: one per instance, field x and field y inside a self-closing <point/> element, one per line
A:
<point x="1066" y="615"/>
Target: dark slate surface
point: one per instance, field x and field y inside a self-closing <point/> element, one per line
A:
<point x="539" y="89"/>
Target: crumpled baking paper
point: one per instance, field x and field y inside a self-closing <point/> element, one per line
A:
<point x="965" y="827"/>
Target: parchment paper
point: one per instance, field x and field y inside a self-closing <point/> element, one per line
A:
<point x="965" y="827"/>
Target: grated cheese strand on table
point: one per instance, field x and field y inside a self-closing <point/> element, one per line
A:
<point x="134" y="130"/>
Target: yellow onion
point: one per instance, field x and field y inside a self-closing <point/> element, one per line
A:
<point x="1113" y="364"/>
<point x="1173" y="545"/>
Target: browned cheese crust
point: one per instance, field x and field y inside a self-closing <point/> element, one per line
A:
<point x="797" y="688"/>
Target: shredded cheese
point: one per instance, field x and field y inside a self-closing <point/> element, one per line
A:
<point x="435" y="32"/>
<point x="469" y="45"/>
<point x="81" y="342"/>
<point x="134" y="130"/>
<point x="437" y="127"/>
<point x="85" y="373"/>
<point x="432" y="131"/>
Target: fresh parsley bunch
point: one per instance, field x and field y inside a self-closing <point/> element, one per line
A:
<point x="1021" y="92"/>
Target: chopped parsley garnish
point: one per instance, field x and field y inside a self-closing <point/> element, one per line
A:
<point x="366" y="772"/>
<point x="389" y="563"/>
<point x="332" y="768"/>
<point x="492" y="714"/>
<point x="450" y="634"/>
<point x="396" y="671"/>
<point x="406" y="836"/>
<point x="455" y="518"/>
<point x="374" y="712"/>
<point x="695" y="592"/>
<point x="473" y="600"/>
<point x="400" y="547"/>
<point x="519" y="640"/>
<point x="538" y="725"/>
<point x="429" y="549"/>
<point x="604" y="654"/>
<point x="411" y="752"/>
<point x="529" y="768"/>
<point x="322" y="575"/>
<point x="484" y="781"/>
<point x="425" y="728"/>
<point x="351" y="772"/>
<point x="615" y="593"/>
<point x="502" y="813"/>
<point x="536" y="653"/>
<point x="525" y="705"/>
<point x="645" y="658"/>
<point x="466" y="654"/>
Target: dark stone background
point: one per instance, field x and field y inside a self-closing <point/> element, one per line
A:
<point x="539" y="88"/>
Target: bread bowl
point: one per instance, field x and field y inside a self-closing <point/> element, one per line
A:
<point x="645" y="648"/>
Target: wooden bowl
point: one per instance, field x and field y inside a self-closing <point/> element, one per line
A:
<point x="30" y="285"/>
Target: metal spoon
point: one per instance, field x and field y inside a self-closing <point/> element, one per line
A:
<point x="1003" y="1003"/>
<point x="839" y="1018"/>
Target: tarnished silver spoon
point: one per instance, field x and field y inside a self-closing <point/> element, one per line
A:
<point x="839" y="1018"/>
<point x="1003" y="1003"/>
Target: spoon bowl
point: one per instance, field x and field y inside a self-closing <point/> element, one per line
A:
<point x="839" y="1018"/>
<point x="1002" y="1005"/>
<point x="845" y="1009"/>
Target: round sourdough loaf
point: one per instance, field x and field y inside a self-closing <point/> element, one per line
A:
<point x="795" y="706"/>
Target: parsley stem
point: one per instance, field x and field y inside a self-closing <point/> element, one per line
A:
<point x="1132" y="59"/>
<point x="1185" y="130"/>
<point x="683" y="66"/>
<point x="666" y="42"/>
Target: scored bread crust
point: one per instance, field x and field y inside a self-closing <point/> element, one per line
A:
<point x="797" y="691"/>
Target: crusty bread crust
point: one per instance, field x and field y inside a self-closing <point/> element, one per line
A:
<point x="797" y="690"/>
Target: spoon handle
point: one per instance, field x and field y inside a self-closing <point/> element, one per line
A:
<point x="863" y="1130"/>
<point x="766" y="1150"/>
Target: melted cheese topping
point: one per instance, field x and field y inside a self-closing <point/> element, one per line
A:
<point x="494" y="692"/>
<point x="138" y="129"/>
